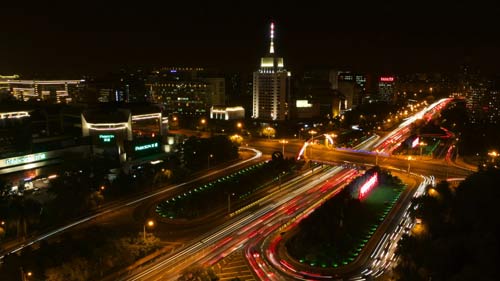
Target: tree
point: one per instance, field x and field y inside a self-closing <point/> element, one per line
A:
<point x="462" y="232"/>
<point x="77" y="269"/>
<point x="24" y="212"/>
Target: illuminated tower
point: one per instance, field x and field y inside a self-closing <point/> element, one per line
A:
<point x="271" y="86"/>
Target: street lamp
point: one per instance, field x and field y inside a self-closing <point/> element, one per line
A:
<point x="312" y="133"/>
<point x="283" y="142"/>
<point x="279" y="178"/>
<point x="208" y="160"/>
<point x="229" y="194"/>
<point x="376" y="157"/>
<point x="25" y="276"/>
<point x="239" y="125"/>
<point x="421" y="144"/>
<point x="300" y="133"/>
<point x="409" y="159"/>
<point x="493" y="154"/>
<point x="149" y="223"/>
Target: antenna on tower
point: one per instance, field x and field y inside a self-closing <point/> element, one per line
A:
<point x="271" y="47"/>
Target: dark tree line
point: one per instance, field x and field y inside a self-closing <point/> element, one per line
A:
<point x="460" y="236"/>
<point x="100" y="252"/>
<point x="200" y="153"/>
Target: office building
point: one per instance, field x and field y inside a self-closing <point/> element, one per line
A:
<point x="189" y="91"/>
<point x="51" y="91"/>
<point x="386" y="89"/>
<point x="271" y="86"/>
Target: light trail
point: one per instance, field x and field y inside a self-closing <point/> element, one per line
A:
<point x="121" y="205"/>
<point x="234" y="234"/>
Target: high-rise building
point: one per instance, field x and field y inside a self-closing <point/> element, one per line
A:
<point x="352" y="86"/>
<point x="318" y="86"/>
<point x="271" y="86"/>
<point x="386" y="90"/>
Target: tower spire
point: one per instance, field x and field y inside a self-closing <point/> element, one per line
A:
<point x="271" y="47"/>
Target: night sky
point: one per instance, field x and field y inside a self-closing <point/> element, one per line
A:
<point x="78" y="37"/>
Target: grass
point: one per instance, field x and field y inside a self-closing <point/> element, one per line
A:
<point x="323" y="242"/>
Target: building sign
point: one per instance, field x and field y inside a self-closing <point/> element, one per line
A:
<point x="25" y="159"/>
<point x="106" y="138"/>
<point x="387" y="79"/>
<point x="146" y="146"/>
<point x="302" y="103"/>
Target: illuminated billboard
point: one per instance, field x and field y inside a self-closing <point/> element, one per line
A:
<point x="415" y="142"/>
<point x="368" y="185"/>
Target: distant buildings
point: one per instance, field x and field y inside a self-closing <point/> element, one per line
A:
<point x="482" y="96"/>
<point x="227" y="113"/>
<point x="53" y="91"/>
<point x="317" y="95"/>
<point x="35" y="137"/>
<point x="386" y="89"/>
<point x="353" y="87"/>
<point x="186" y="90"/>
<point x="271" y="87"/>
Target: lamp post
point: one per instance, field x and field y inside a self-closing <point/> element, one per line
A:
<point x="229" y="194"/>
<point x="283" y="142"/>
<point x="376" y="157"/>
<point x="149" y="223"/>
<point x="25" y="276"/>
<point x="203" y="123"/>
<point x="493" y="154"/>
<point x="409" y="159"/>
<point x="208" y="160"/>
<point x="279" y="179"/>
<point x="312" y="133"/>
<point x="421" y="144"/>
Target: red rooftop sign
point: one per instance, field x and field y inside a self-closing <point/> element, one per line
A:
<point x="387" y="79"/>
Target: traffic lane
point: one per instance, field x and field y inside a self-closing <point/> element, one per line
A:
<point x="440" y="170"/>
<point x="170" y="266"/>
<point x="115" y="207"/>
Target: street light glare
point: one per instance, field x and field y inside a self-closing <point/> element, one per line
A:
<point x="151" y="223"/>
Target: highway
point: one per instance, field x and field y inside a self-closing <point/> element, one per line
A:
<point x="293" y="198"/>
<point x="266" y="260"/>
<point x="259" y="231"/>
<point x="113" y="208"/>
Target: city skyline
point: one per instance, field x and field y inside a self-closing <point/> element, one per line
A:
<point x="386" y="37"/>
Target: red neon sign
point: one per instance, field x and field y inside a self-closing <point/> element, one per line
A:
<point x="367" y="186"/>
<point x="387" y="79"/>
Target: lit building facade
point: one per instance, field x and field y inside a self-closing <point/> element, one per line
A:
<point x="227" y="113"/>
<point x="54" y="91"/>
<point x="386" y="91"/>
<point x="124" y="133"/>
<point x="271" y="87"/>
<point x="185" y="90"/>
